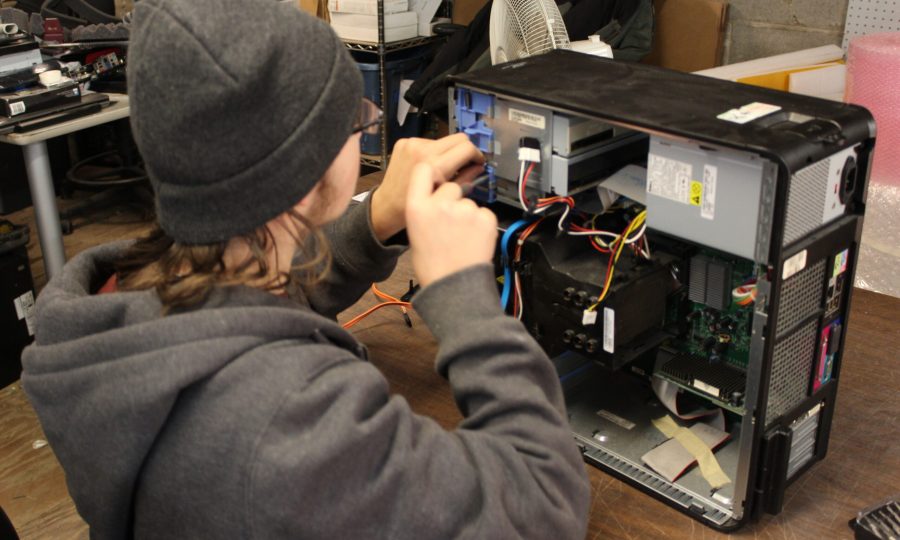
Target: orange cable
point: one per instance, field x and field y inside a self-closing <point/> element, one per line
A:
<point x="389" y="301"/>
<point x="371" y="310"/>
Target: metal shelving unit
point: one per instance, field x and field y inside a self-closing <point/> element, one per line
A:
<point x="381" y="49"/>
<point x="388" y="47"/>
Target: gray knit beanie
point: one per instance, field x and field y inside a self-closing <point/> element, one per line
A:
<point x="238" y="108"/>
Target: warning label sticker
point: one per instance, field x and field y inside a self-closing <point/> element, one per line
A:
<point x="696" y="193"/>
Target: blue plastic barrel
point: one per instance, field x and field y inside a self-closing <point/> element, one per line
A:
<point x="400" y="65"/>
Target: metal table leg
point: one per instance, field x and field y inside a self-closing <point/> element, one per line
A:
<point x="40" y="181"/>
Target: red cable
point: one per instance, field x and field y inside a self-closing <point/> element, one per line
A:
<point x="524" y="182"/>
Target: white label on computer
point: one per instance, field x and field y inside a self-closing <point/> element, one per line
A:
<point x="527" y="118"/>
<point x="708" y="204"/>
<point x="708" y="388"/>
<point x="615" y="419"/>
<point x="748" y="113"/>
<point x="793" y="265"/>
<point x="16" y="108"/>
<point x="25" y="310"/>
<point x="669" y="178"/>
<point x="609" y="330"/>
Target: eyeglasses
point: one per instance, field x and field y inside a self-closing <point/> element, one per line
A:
<point x="370" y="117"/>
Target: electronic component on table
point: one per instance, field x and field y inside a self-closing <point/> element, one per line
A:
<point x="878" y="522"/>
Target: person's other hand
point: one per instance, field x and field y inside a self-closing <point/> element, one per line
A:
<point x="447" y="232"/>
<point x="452" y="158"/>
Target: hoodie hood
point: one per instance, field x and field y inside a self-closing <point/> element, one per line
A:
<point x="105" y="371"/>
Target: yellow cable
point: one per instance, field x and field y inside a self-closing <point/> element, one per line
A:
<point x="635" y="224"/>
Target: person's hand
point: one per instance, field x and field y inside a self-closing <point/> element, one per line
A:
<point x="452" y="158"/>
<point x="447" y="232"/>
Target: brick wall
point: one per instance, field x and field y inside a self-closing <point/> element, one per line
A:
<point x="758" y="28"/>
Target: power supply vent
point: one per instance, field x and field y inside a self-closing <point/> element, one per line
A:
<point x="804" y="431"/>
<point x="791" y="371"/>
<point x="801" y="296"/>
<point x="806" y="200"/>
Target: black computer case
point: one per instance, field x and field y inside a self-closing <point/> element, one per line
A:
<point x="738" y="181"/>
<point x="17" y="298"/>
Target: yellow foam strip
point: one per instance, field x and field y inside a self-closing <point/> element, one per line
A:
<point x="709" y="466"/>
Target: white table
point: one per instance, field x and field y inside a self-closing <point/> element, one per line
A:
<point x="40" y="179"/>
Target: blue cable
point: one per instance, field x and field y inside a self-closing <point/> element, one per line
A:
<point x="504" y="259"/>
<point x="575" y="372"/>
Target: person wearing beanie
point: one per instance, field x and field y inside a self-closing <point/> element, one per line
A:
<point x="194" y="383"/>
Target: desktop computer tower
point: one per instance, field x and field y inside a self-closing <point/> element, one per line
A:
<point x="740" y="212"/>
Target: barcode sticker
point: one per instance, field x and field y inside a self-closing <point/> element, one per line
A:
<point x="16" y="108"/>
<point x="527" y="118"/>
<point x="609" y="330"/>
<point x="708" y="204"/>
<point x="25" y="310"/>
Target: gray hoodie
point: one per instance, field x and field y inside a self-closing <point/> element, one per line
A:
<point x="254" y="416"/>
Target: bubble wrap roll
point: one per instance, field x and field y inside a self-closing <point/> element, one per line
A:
<point x="873" y="80"/>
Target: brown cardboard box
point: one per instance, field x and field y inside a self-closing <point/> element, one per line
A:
<point x="689" y="34"/>
<point x="123" y="7"/>
<point x="319" y="8"/>
<point x="464" y="10"/>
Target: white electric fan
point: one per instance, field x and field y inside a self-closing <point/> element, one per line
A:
<point x="521" y="28"/>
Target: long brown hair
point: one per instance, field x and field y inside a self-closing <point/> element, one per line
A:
<point x="184" y="275"/>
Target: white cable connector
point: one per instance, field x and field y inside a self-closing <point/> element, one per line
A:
<point x="529" y="154"/>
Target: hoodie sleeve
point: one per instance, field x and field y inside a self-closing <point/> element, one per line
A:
<point x="360" y="464"/>
<point x="359" y="260"/>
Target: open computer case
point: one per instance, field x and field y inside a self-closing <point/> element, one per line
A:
<point x="734" y="304"/>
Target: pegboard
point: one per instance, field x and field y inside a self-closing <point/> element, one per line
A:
<point x="870" y="17"/>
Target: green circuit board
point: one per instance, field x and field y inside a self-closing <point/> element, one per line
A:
<point x="723" y="336"/>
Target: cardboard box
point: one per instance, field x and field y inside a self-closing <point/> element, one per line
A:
<point x="123" y="7"/>
<point x="367" y="7"/>
<point x="465" y="10"/>
<point x="689" y="34"/>
<point x="319" y="8"/>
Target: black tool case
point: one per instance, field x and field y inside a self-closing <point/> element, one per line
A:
<point x="757" y="178"/>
